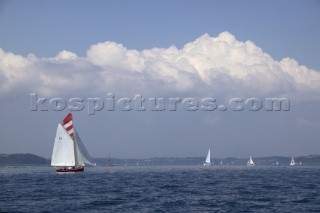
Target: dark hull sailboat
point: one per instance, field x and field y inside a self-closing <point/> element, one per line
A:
<point x="70" y="169"/>
<point x="69" y="153"/>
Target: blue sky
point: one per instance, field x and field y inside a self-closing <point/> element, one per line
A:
<point x="217" y="49"/>
<point x="280" y="28"/>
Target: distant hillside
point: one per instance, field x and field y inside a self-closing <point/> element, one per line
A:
<point x="311" y="160"/>
<point x="22" y="159"/>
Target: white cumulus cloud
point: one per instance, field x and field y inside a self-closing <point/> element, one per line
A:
<point x="208" y="65"/>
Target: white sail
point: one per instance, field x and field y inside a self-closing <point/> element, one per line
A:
<point x="208" y="159"/>
<point x="292" y="163"/>
<point x="69" y="154"/>
<point x="250" y="162"/>
<point x="82" y="156"/>
<point x="63" y="149"/>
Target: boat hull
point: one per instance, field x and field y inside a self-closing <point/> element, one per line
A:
<point x="70" y="169"/>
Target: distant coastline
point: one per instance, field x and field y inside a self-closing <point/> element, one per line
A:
<point x="22" y="159"/>
<point x="34" y="160"/>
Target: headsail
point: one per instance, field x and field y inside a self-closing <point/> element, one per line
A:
<point x="83" y="157"/>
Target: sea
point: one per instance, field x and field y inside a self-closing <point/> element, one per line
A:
<point x="161" y="189"/>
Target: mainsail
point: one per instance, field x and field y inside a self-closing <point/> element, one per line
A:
<point x="208" y="159"/>
<point x="63" y="149"/>
<point x="68" y="149"/>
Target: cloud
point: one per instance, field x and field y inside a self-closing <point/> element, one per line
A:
<point x="113" y="55"/>
<point x="66" y="56"/>
<point x="209" y="65"/>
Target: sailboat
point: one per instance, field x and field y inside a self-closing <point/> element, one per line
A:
<point x="208" y="159"/>
<point x="250" y="162"/>
<point x="109" y="162"/>
<point x="277" y="163"/>
<point x="300" y="163"/>
<point x="221" y="163"/>
<point x="69" y="154"/>
<point x="292" y="163"/>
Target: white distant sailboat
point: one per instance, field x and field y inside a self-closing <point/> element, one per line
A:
<point x="300" y="163"/>
<point x="69" y="154"/>
<point x="221" y="163"/>
<point x="208" y="159"/>
<point x="277" y="163"/>
<point x="292" y="163"/>
<point x="250" y="162"/>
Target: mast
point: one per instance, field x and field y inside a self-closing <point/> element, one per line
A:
<point x="67" y="123"/>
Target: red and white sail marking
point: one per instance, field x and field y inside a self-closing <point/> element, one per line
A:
<point x="68" y="125"/>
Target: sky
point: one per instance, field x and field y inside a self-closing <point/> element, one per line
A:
<point x="222" y="51"/>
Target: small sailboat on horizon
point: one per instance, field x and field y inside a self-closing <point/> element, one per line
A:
<point x="292" y="163"/>
<point x="250" y="162"/>
<point x="69" y="153"/>
<point x="208" y="159"/>
<point x="109" y="162"/>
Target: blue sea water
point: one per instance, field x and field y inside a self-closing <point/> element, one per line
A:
<point x="161" y="189"/>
